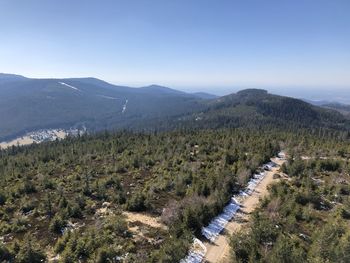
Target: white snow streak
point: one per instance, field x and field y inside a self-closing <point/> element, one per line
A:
<point x="124" y="106"/>
<point x="197" y="252"/>
<point x="69" y="86"/>
<point x="107" y="97"/>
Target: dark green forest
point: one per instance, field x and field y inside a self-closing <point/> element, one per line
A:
<point x="306" y="217"/>
<point x="52" y="193"/>
<point x="47" y="187"/>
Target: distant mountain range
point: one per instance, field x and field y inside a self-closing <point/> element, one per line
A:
<point x="340" y="107"/>
<point x="30" y="104"/>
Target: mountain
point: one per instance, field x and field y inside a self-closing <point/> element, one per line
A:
<point x="4" y="78"/>
<point x="340" y="107"/>
<point x="74" y="197"/>
<point x="32" y="104"/>
<point x="160" y="90"/>
<point x="257" y="108"/>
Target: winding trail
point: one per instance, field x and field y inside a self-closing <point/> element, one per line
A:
<point x="219" y="251"/>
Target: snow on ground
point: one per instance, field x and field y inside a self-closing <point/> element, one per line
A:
<point x="218" y="224"/>
<point x="213" y="230"/>
<point x="107" y="97"/>
<point x="269" y="166"/>
<point x="196" y="253"/>
<point x="281" y="155"/>
<point x="124" y="106"/>
<point x="215" y="227"/>
<point x="69" y="86"/>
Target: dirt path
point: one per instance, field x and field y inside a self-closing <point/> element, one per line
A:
<point x="145" y="219"/>
<point x="219" y="251"/>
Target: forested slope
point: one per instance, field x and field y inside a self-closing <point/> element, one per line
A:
<point x="53" y="194"/>
<point x="31" y="104"/>
<point x="306" y="217"/>
<point x="256" y="110"/>
<point x="66" y="200"/>
<point x="259" y="109"/>
<point x="184" y="177"/>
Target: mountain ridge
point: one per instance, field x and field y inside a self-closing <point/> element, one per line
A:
<point x="30" y="104"/>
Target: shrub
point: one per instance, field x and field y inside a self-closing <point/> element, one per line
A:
<point x="105" y="255"/>
<point x="329" y="165"/>
<point x="2" y="198"/>
<point x="57" y="224"/>
<point x="19" y="225"/>
<point x="28" y="252"/>
<point x="241" y="245"/>
<point x="27" y="207"/>
<point x="5" y="255"/>
<point x="345" y="214"/>
<point x="28" y="187"/>
<point x="136" y="203"/>
<point x="117" y="224"/>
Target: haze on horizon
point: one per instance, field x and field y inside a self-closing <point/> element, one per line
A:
<point x="190" y="45"/>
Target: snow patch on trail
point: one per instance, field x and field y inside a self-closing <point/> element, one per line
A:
<point x="197" y="252"/>
<point x="213" y="230"/>
<point x="218" y="224"/>
<point x="69" y="86"/>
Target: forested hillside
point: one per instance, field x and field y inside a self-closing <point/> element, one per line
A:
<point x="307" y="216"/>
<point x="342" y="108"/>
<point x="258" y="109"/>
<point x="68" y="198"/>
<point x="32" y="104"/>
<point x="114" y="150"/>
<point x="184" y="177"/>
<point x="176" y="167"/>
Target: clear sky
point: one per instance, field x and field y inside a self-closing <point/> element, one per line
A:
<point x="193" y="44"/>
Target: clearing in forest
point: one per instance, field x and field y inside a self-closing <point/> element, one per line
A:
<point x="145" y="219"/>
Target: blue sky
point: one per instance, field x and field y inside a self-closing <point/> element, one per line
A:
<point x="212" y="45"/>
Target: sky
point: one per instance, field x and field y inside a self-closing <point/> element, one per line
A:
<point x="211" y="45"/>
